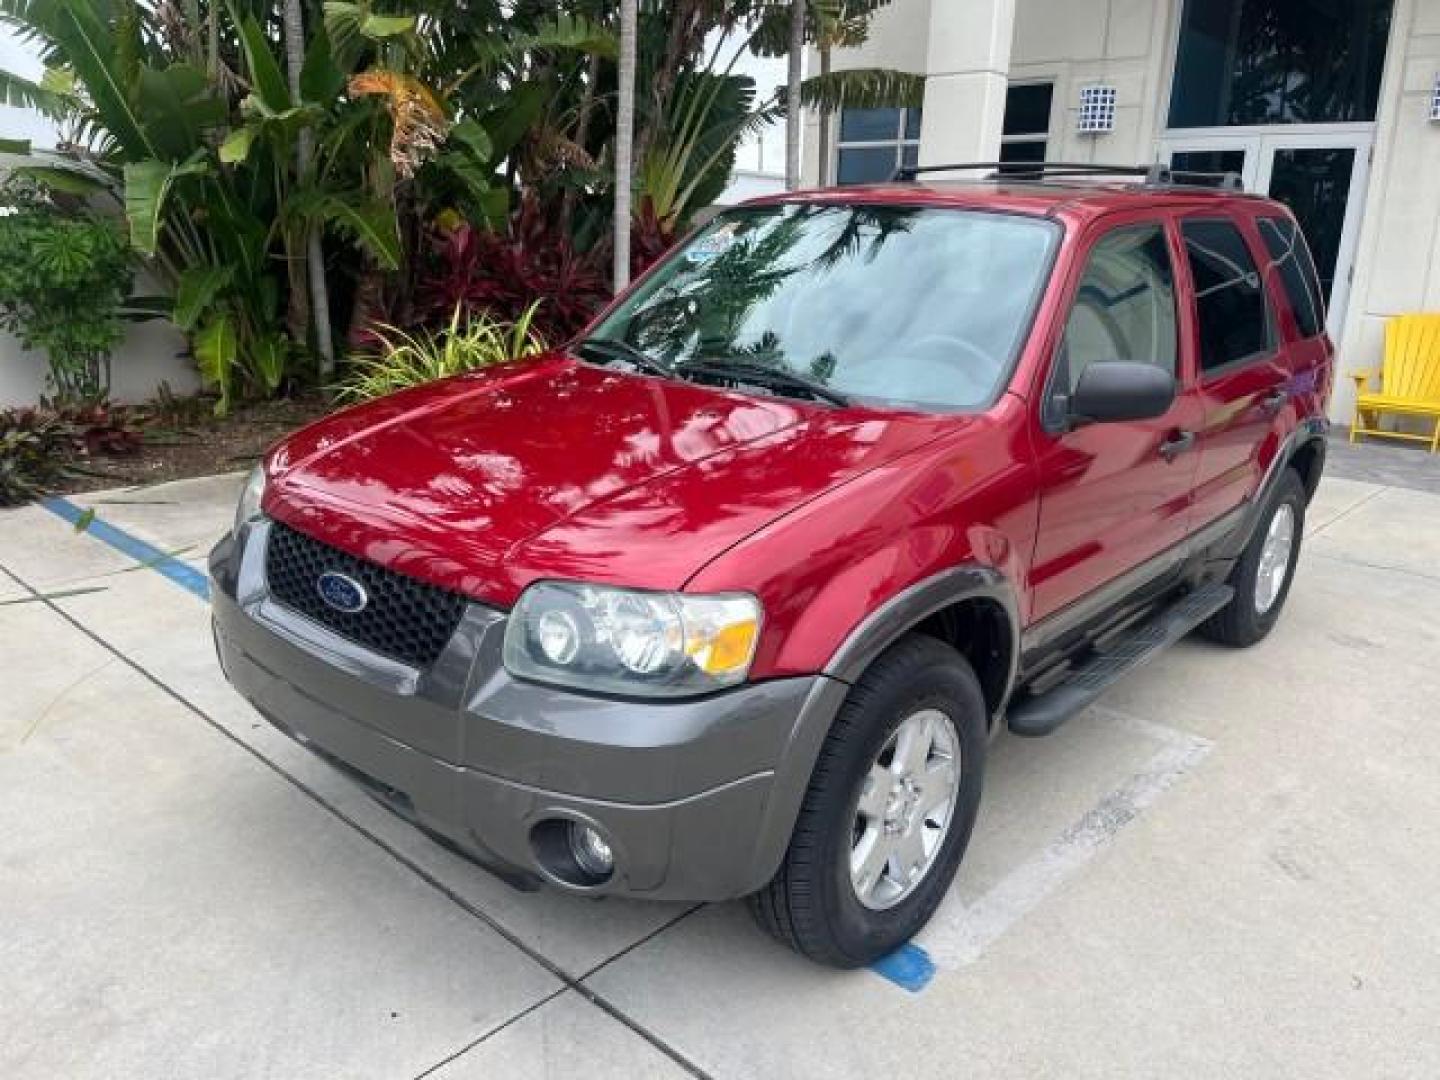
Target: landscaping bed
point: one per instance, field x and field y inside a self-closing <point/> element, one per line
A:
<point x="196" y="443"/>
<point x="53" y="452"/>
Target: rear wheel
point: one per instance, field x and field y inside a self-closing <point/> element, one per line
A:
<point x="888" y="812"/>
<point x="1262" y="576"/>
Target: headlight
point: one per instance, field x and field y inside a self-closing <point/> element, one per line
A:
<point x="622" y="641"/>
<point x="248" y="508"/>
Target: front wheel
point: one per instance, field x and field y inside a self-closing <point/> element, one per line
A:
<point x="1262" y="576"/>
<point x="889" y="810"/>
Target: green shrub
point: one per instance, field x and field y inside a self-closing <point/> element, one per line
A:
<point x="40" y="447"/>
<point x="34" y="447"/>
<point x="63" y="279"/>
<point x="408" y="358"/>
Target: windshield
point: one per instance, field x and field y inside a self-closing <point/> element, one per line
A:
<point x="912" y="307"/>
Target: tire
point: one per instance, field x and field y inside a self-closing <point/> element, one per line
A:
<point x="1247" y="619"/>
<point x="812" y="904"/>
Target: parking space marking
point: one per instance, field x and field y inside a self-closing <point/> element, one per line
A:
<point x="569" y="981"/>
<point x="951" y="942"/>
<point x="143" y="552"/>
<point x="960" y="938"/>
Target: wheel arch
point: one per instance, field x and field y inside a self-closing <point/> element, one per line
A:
<point x="1308" y="459"/>
<point x="966" y="606"/>
<point x="972" y="608"/>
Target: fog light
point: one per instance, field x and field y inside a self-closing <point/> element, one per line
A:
<point x="592" y="853"/>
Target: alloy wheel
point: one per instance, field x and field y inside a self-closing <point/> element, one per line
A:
<point x="903" y="813"/>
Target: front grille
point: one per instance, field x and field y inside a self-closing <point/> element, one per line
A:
<point x="405" y="619"/>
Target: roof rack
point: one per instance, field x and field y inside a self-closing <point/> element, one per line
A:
<point x="1154" y="175"/>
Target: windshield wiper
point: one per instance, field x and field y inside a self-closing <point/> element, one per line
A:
<point x="745" y="370"/>
<point x="612" y="348"/>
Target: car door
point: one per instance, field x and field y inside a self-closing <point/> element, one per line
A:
<point x="1242" y="374"/>
<point x="1114" y="496"/>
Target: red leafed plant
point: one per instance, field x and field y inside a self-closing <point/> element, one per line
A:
<point x="505" y="273"/>
<point x="101" y="429"/>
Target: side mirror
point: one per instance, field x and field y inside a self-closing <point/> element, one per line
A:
<point x="1121" y="391"/>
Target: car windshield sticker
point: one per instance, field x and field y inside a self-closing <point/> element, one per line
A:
<point x="717" y="243"/>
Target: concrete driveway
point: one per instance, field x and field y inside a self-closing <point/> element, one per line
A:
<point x="1230" y="868"/>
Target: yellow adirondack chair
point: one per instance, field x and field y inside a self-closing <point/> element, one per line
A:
<point x="1409" y="380"/>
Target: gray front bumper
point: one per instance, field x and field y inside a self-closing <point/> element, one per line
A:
<point x="697" y="797"/>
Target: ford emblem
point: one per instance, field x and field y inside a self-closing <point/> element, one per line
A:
<point x="341" y="592"/>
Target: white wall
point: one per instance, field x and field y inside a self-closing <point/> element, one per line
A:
<point x="1397" y="269"/>
<point x="150" y="355"/>
<point x="1076" y="43"/>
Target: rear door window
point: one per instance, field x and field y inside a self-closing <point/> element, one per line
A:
<point x="1233" y="316"/>
<point x="1291" y="257"/>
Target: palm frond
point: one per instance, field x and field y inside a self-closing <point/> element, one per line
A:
<point x="863" y="88"/>
<point x="23" y="93"/>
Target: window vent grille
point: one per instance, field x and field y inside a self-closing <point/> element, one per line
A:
<point x="1097" y="110"/>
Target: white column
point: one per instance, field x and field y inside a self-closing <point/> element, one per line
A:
<point x="968" y="67"/>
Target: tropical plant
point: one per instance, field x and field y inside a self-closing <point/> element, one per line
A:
<point x="505" y="273"/>
<point x="39" y="447"/>
<point x="831" y="25"/>
<point x="314" y="286"/>
<point x="689" y="157"/>
<point x="411" y="358"/>
<point x="624" y="140"/>
<point x="287" y="166"/>
<point x="31" y="461"/>
<point x="65" y="273"/>
<point x="794" y="69"/>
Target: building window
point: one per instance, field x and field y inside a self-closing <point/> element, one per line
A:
<point x="874" y="143"/>
<point x="1027" y="123"/>
<point x="1243" y="62"/>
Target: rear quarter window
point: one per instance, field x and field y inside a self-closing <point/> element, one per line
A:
<point x="1291" y="257"/>
<point x="1230" y="306"/>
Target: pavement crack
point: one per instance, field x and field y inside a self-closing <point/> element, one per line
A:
<point x="1349" y="510"/>
<point x="61" y="695"/>
<point x="1377" y="566"/>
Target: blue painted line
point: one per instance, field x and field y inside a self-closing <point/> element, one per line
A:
<point x="908" y="967"/>
<point x="147" y="554"/>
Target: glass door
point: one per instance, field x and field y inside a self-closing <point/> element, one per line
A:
<point x="1320" y="175"/>
<point x="1322" y="180"/>
<point x="1216" y="154"/>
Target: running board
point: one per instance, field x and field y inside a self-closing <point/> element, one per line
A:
<point x="1042" y="714"/>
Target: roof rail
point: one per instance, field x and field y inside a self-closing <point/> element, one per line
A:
<point x="1156" y="174"/>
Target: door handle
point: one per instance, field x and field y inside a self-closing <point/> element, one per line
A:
<point x="1274" y="402"/>
<point x="1176" y="443"/>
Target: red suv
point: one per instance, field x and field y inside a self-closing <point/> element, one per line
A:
<point x="727" y="598"/>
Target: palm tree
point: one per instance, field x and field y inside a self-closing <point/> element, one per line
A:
<point x="624" y="141"/>
<point x="795" y="55"/>
<point x="304" y="153"/>
<point x="786" y="27"/>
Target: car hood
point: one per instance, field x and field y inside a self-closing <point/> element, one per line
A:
<point x="553" y="468"/>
